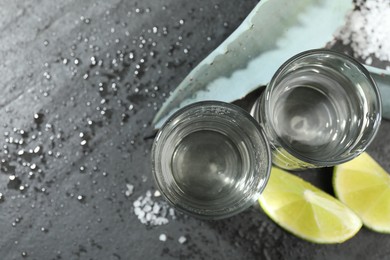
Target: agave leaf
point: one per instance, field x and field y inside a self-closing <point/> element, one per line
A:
<point x="274" y="31"/>
<point x="377" y="71"/>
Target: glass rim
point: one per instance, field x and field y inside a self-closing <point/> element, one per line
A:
<point x="361" y="68"/>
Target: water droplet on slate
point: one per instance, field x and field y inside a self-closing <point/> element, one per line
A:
<point x="38" y="118"/>
<point x="14" y="182"/>
<point x="93" y="61"/>
<point x="46" y="75"/>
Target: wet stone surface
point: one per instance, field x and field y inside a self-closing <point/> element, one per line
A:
<point x="81" y="82"/>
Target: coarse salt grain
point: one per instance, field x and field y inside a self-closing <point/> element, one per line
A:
<point x="182" y="239"/>
<point x="162" y="237"/>
<point x="367" y="30"/>
<point x="130" y="189"/>
<point x="156" y="208"/>
<point x="157" y="193"/>
<point x="136" y="204"/>
<point x="147" y="208"/>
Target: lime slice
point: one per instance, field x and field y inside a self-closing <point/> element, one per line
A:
<point x="307" y="211"/>
<point x="364" y="186"/>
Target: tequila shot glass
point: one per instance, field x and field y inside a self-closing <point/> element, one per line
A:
<point x="320" y="109"/>
<point x="211" y="160"/>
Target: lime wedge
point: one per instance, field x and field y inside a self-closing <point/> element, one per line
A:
<point x="307" y="211"/>
<point x="364" y="186"/>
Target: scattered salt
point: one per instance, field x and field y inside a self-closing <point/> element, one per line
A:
<point x="137" y="204"/>
<point x="182" y="239"/>
<point x="172" y="213"/>
<point x="368" y="61"/>
<point x="37" y="149"/>
<point x="130" y="189"/>
<point x="156" y="208"/>
<point x="149" y="194"/>
<point x="157" y="193"/>
<point x="147" y="208"/>
<point x="150" y="212"/>
<point x="162" y="237"/>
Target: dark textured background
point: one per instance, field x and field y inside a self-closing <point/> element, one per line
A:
<point x="72" y="204"/>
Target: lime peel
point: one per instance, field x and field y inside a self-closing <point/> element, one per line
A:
<point x="364" y="186"/>
<point x="307" y="211"/>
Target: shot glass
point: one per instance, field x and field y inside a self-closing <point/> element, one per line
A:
<point x="211" y="160"/>
<point x="320" y="109"/>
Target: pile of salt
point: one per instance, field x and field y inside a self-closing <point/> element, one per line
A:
<point x="367" y="30"/>
<point x="151" y="212"/>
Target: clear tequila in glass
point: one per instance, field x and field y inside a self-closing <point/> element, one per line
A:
<point x="211" y="160"/>
<point x="320" y="109"/>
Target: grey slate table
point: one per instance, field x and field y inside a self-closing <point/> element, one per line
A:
<point x="81" y="82"/>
